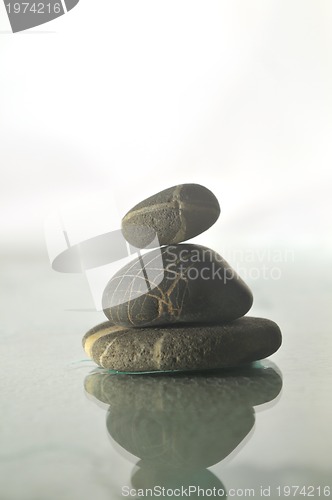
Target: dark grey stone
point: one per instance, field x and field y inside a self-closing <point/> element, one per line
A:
<point x="173" y="215"/>
<point x="176" y="284"/>
<point x="186" y="347"/>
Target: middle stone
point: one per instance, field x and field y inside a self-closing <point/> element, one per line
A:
<point x="176" y="284"/>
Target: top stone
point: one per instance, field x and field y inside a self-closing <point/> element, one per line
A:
<point x="173" y="215"/>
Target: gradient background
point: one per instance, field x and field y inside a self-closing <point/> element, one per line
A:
<point x="135" y="96"/>
<point x="132" y="97"/>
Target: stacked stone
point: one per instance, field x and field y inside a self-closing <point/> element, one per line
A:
<point x="179" y="306"/>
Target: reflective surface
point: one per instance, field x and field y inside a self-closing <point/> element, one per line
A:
<point x="71" y="431"/>
<point x="179" y="425"/>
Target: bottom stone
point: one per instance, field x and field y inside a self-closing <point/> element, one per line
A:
<point x="191" y="347"/>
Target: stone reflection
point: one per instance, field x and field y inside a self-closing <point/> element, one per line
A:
<point x="172" y="480"/>
<point x="181" y="424"/>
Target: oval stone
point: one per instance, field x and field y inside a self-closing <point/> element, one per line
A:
<point x="176" y="284"/>
<point x="195" y="347"/>
<point x="171" y="216"/>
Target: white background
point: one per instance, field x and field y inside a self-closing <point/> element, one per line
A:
<point x="136" y="96"/>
